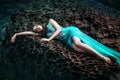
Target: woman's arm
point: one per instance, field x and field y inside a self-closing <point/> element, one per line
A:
<point x="26" y="33"/>
<point x="58" y="30"/>
<point x="56" y="26"/>
<point x="22" y="33"/>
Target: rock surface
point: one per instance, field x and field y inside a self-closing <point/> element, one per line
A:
<point x="30" y="59"/>
<point x="111" y="3"/>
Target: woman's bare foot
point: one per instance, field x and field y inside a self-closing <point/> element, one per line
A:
<point x="107" y="59"/>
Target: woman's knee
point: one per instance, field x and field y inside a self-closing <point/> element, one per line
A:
<point x="79" y="44"/>
<point x="76" y="41"/>
<point x="77" y="49"/>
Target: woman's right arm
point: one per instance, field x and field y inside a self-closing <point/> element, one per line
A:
<point x="22" y="33"/>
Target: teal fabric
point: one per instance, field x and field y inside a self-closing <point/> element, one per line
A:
<point x="70" y="31"/>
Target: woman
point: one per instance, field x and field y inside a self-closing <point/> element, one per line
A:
<point x="73" y="37"/>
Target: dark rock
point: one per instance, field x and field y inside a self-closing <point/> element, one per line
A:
<point x="111" y="3"/>
<point x="29" y="59"/>
<point x="54" y="58"/>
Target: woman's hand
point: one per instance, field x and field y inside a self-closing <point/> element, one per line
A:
<point x="45" y="39"/>
<point x="13" y="38"/>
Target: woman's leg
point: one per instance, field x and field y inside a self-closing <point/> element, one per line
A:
<point x="77" y="49"/>
<point x="87" y="48"/>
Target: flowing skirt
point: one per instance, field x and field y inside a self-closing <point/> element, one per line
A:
<point x="99" y="47"/>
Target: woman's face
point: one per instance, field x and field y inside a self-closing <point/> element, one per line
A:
<point x="38" y="28"/>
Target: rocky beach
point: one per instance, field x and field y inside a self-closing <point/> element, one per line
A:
<point x="30" y="59"/>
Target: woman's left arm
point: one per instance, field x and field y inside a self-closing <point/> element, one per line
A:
<point x="58" y="30"/>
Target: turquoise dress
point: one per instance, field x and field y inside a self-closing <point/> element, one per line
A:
<point x="67" y="33"/>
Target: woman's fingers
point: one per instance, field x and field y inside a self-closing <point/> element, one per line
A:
<point x="44" y="39"/>
<point x="13" y="39"/>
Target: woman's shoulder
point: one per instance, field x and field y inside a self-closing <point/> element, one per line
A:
<point x="49" y="22"/>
